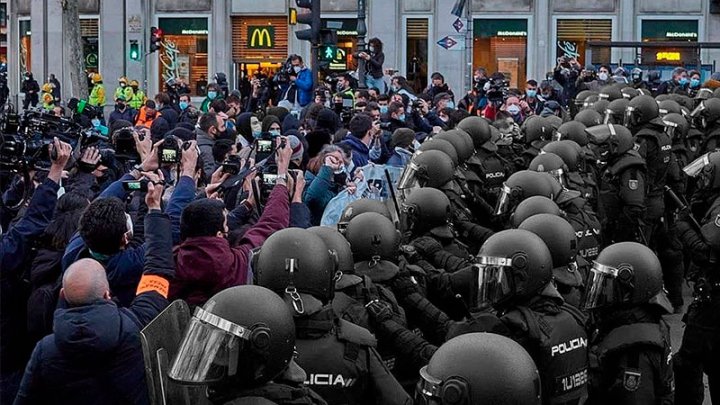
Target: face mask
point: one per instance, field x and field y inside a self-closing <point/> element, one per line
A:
<point x="416" y="145"/>
<point x="531" y="93"/>
<point x="546" y="95"/>
<point x="372" y="49"/>
<point x="257" y="134"/>
<point x="395" y="88"/>
<point x="383" y="109"/>
<point x="513" y="109"/>
<point x="297" y="69"/>
<point x="122" y="85"/>
<point x="275" y="132"/>
<point x="151" y="116"/>
<point x="603" y="76"/>
<point x="401" y="117"/>
<point x="95" y="122"/>
<point x="134" y="88"/>
<point x="120" y="106"/>
<point x="683" y="81"/>
<point x="450" y="105"/>
<point x="183" y="105"/>
<point x="694" y="83"/>
<point x="212" y="94"/>
<point x="340" y="86"/>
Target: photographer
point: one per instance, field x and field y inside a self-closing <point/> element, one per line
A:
<point x="438" y="86"/>
<point x="206" y="263"/>
<point x="423" y="118"/>
<point x="261" y="94"/>
<point x="375" y="59"/>
<point x="566" y="73"/>
<point x="300" y="91"/>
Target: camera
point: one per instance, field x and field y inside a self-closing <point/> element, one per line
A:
<point x="18" y="153"/>
<point x="497" y="91"/>
<point x="169" y="151"/>
<point x="263" y="148"/>
<point x="231" y="165"/>
<point x="138" y="185"/>
<point x="124" y="143"/>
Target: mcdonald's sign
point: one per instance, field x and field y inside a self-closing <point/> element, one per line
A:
<point x="261" y="37"/>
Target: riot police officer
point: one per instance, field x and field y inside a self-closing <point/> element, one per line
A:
<point x="514" y="276"/>
<point x="338" y="356"/>
<point x="508" y="374"/>
<point x="706" y="118"/>
<point x="630" y="355"/>
<point x="701" y="341"/>
<point x="532" y="206"/>
<point x="621" y="201"/>
<point x="615" y="111"/>
<point x="538" y="133"/>
<point x="241" y="343"/>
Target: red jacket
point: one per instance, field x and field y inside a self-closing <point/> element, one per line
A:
<point x="207" y="265"/>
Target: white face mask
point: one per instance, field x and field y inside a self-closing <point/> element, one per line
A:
<point x="513" y="109"/>
<point x="297" y="69"/>
<point x="603" y="76"/>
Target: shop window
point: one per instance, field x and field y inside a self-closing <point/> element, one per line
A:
<point x="417" y="53"/>
<point x="573" y="36"/>
<point x="669" y="31"/>
<point x="184" y="55"/>
<point x="259" y="46"/>
<point x="25" y="47"/>
<point x="89" y="37"/>
<point x="501" y="46"/>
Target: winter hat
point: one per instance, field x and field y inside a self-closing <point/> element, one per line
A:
<point x="327" y="119"/>
<point x="402" y="137"/>
<point x="316" y="140"/>
<point x="268" y="121"/>
<point x="297" y="147"/>
<point x="279" y="112"/>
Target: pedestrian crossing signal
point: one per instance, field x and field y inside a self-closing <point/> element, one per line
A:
<point x="134" y="50"/>
<point x="329" y="53"/>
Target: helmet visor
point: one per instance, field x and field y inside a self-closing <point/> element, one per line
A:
<point x="600" y="291"/>
<point x="427" y="391"/>
<point x="493" y="282"/>
<point x="697" y="165"/>
<point x="698" y="110"/>
<point x="409" y="178"/>
<point x="600" y="134"/>
<point x="209" y="351"/>
<point x="503" y="202"/>
<point x="670" y="128"/>
<point x="629" y="116"/>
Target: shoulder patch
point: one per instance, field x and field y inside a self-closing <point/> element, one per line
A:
<point x="631" y="380"/>
<point x="632" y="184"/>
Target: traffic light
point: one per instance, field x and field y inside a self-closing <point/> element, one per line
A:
<point x="328" y="53"/>
<point x="134" y="50"/>
<point x="312" y="19"/>
<point x="156" y="38"/>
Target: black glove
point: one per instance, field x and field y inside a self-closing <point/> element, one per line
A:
<point x="426" y="246"/>
<point x="379" y="311"/>
<point x="404" y="285"/>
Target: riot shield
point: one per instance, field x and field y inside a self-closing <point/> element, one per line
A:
<point x="160" y="342"/>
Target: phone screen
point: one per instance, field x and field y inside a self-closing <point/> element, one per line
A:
<point x="169" y="155"/>
<point x="133" y="185"/>
<point x="264" y="146"/>
<point x="347" y="102"/>
<point x="269" y="179"/>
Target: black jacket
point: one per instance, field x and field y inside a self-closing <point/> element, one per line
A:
<point x="95" y="355"/>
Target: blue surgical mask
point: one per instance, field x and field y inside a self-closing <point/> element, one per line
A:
<point x="683" y="81"/>
<point x="450" y="105"/>
<point x="212" y="94"/>
<point x="275" y="132"/>
<point x="383" y="109"/>
<point x="531" y="93"/>
<point x="694" y="83"/>
<point x="95" y="122"/>
<point x="257" y="134"/>
<point x="401" y="117"/>
<point x="183" y="105"/>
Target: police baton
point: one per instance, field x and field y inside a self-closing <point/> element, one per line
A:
<point x="682" y="206"/>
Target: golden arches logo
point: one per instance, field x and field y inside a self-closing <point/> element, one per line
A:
<point x="261" y="37"/>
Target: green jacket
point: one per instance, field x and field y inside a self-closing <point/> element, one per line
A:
<point x="97" y="95"/>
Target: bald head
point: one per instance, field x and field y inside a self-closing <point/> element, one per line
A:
<point x="85" y="281"/>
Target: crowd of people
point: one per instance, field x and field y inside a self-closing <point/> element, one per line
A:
<point x="526" y="253"/>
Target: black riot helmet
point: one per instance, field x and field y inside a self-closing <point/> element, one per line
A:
<point x="601" y="106"/>
<point x="669" y="106"/>
<point x="610" y="93"/>
<point x="703" y="94"/>
<point x="558" y="235"/>
<point x="537" y="128"/>
<point x="640" y="111"/>
<point x="589" y="118"/>
<point x="512" y="266"/>
<point x="572" y="130"/>
<point x="294" y="261"/>
<point x="452" y="377"/>
<point x="521" y="185"/>
<point x="630" y="92"/>
<point x="362" y="206"/>
<point x="706" y="171"/>
<point x="242" y="337"/>
<point x="372" y="237"/>
<point x="706" y="114"/>
<point x="615" y="111"/>
<point x="478" y="128"/>
<point x="569" y="151"/>
<point x="611" y="140"/>
<point x="626" y="274"/>
<point x="582" y="97"/>
<point x="676" y="125"/>
<point x="442" y="145"/>
<point x="462" y="142"/>
<point x="534" y="205"/>
<point x="337" y="243"/>
<point x="425" y="209"/>
<point x="552" y="164"/>
<point x="427" y="169"/>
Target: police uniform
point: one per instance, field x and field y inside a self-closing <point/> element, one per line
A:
<point x="631" y="361"/>
<point x="587" y="227"/>
<point x="655" y="148"/>
<point x="555" y="337"/>
<point x="492" y="171"/>
<point x="622" y="198"/>
<point x="271" y="394"/>
<point x="341" y="362"/>
<point x="700" y="349"/>
<point x="712" y="140"/>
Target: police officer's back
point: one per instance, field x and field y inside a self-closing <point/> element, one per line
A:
<point x="339" y="357"/>
<point x="630" y="355"/>
<point x="706" y="118"/>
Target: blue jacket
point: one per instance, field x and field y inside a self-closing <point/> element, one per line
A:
<point x="94" y="355"/>
<point x="400" y="157"/>
<point x="304" y="84"/>
<point x="360" y="151"/>
<point x="319" y="191"/>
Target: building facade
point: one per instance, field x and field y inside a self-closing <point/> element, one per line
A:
<point x="522" y="38"/>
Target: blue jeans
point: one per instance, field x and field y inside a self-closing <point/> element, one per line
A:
<point x="377" y="83"/>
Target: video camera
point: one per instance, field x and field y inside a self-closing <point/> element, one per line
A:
<point x="82" y="108"/>
<point x="18" y="153"/>
<point x="497" y="90"/>
<point x="286" y="70"/>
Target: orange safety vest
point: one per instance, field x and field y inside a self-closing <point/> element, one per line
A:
<point x="143" y="120"/>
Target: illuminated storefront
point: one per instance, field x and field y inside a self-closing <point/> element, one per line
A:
<point x="90" y="43"/>
<point x="500" y="45"/>
<point x="184" y="55"/>
<point x="573" y="35"/>
<point x="25" y="46"/>
<point x="669" y="31"/>
<point x="259" y="44"/>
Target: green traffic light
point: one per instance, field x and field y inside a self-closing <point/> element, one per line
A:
<point x="134" y="51"/>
